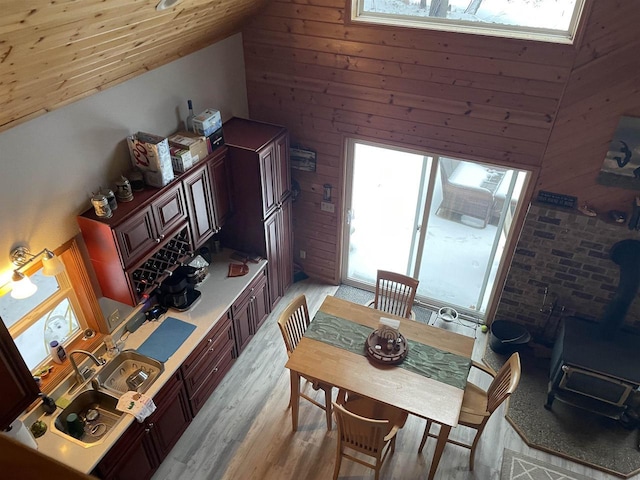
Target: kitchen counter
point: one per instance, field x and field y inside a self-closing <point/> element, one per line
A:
<point x="218" y="294"/>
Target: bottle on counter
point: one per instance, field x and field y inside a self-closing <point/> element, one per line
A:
<point x="190" y="117"/>
<point x="58" y="353"/>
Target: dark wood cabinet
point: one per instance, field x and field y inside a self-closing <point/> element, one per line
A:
<point x="19" y="389"/>
<point x="141" y="449"/>
<point x="126" y="249"/>
<point x="197" y="187"/>
<point x="261" y="179"/>
<point x="250" y="310"/>
<point x="218" y="165"/>
<point x="209" y="362"/>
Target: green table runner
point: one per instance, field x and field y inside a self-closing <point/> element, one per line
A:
<point x="446" y="367"/>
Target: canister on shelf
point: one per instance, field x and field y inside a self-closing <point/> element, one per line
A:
<point x="111" y="198"/>
<point x="101" y="205"/>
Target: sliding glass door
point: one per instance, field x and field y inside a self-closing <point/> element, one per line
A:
<point x="442" y="220"/>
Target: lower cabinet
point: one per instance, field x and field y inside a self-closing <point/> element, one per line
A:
<point x="209" y="362"/>
<point x="250" y="310"/>
<point x="141" y="449"/>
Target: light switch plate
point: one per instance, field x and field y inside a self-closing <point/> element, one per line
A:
<point x="327" y="207"/>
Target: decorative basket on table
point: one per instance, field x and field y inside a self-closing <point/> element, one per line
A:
<point x="387" y="346"/>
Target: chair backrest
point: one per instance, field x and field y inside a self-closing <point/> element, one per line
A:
<point x="504" y="383"/>
<point x="293" y="322"/>
<point x="395" y="293"/>
<point x="362" y="434"/>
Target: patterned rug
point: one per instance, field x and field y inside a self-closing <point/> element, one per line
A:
<point x="516" y="466"/>
<point x="566" y="431"/>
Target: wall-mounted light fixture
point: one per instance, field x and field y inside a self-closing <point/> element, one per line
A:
<point x="21" y="285"/>
<point x="326" y="194"/>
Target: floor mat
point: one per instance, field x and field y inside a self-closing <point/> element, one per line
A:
<point x="516" y="466"/>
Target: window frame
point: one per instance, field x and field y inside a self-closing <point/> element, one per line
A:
<point x="82" y="297"/>
<point x="357" y="16"/>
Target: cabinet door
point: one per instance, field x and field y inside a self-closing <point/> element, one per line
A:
<point x="285" y="245"/>
<point x="242" y="323"/>
<point x="219" y="174"/>
<point x="169" y="210"/>
<point x="171" y="418"/>
<point x="197" y="187"/>
<point x="269" y="180"/>
<point x="18" y="387"/>
<point x="271" y="235"/>
<point x="136" y="236"/>
<point x="261" y="305"/>
<point x="283" y="183"/>
<point x="131" y="458"/>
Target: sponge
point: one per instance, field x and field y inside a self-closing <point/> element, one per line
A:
<point x="63" y="402"/>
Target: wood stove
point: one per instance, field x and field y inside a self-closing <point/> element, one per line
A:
<point x="596" y="365"/>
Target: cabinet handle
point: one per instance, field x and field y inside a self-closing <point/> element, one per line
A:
<point x="215" y="370"/>
<point x="151" y="425"/>
<point x="210" y="340"/>
<point x="211" y="349"/>
<point x="147" y="430"/>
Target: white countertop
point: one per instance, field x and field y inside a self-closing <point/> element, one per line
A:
<point x="218" y="294"/>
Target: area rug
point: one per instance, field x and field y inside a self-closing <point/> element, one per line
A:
<point x="357" y="295"/>
<point x="569" y="432"/>
<point x="516" y="466"/>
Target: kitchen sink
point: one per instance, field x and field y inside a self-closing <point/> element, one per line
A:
<point x="96" y="415"/>
<point x="141" y="371"/>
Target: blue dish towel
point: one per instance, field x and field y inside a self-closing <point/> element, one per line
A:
<point x="166" y="339"/>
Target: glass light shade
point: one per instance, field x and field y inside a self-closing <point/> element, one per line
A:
<point x="21" y="286"/>
<point x="51" y="265"/>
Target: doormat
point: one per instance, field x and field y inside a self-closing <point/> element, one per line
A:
<point x="569" y="432"/>
<point x="516" y="466"/>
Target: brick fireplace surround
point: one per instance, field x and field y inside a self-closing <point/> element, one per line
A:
<point x="568" y="253"/>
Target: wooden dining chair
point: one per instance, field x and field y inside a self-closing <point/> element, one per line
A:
<point x="367" y="427"/>
<point x="293" y="322"/>
<point x="395" y="294"/>
<point x="478" y="405"/>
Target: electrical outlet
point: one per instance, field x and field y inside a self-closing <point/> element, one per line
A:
<point x="303" y="254"/>
<point x="327" y="207"/>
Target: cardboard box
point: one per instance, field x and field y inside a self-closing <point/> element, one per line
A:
<point x="196" y="144"/>
<point x="150" y="153"/>
<point x="181" y="159"/>
<point x="207" y="122"/>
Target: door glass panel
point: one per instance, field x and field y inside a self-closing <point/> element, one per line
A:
<point x="385" y="193"/>
<point x="455" y="250"/>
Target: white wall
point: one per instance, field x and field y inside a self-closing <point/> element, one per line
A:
<point x="51" y="164"/>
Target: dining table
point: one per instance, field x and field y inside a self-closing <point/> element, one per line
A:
<point x="428" y="383"/>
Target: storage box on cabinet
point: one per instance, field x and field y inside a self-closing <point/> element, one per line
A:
<point x="209" y="362"/>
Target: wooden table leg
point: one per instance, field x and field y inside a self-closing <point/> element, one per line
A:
<point x="295" y="398"/>
<point x="442" y="441"/>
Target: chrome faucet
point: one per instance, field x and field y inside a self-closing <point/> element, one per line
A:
<point x="81" y="376"/>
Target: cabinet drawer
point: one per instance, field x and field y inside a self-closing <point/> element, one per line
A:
<point x="200" y="353"/>
<point x="216" y="375"/>
<point x="203" y="368"/>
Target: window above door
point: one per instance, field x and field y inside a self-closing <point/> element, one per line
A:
<point x="544" y="20"/>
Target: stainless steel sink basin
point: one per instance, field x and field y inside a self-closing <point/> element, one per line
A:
<point x="96" y="415"/>
<point x="113" y="376"/>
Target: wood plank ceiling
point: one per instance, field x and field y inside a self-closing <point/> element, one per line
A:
<point x="53" y="52"/>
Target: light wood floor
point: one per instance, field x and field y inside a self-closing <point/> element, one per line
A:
<point x="244" y="430"/>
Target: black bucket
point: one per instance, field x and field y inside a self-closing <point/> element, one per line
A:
<point x="507" y="337"/>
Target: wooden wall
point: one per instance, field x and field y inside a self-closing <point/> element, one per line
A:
<point x="324" y="78"/>
<point x="53" y="52"/>
<point x="603" y="86"/>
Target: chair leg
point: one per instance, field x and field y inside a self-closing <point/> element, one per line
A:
<point x="472" y="455"/>
<point x="328" y="409"/>
<point x="425" y="435"/>
<point x="336" y="470"/>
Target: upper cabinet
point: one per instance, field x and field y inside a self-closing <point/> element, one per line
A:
<point x="19" y="389"/>
<point x="132" y="251"/>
